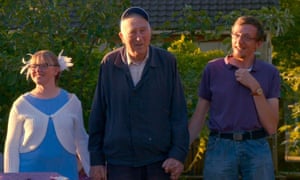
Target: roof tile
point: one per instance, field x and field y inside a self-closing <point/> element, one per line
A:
<point x="161" y="11"/>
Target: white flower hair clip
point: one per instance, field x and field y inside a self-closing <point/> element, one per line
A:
<point x="64" y="61"/>
<point x="25" y="67"/>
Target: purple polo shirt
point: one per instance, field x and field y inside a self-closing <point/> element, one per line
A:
<point x="232" y="106"/>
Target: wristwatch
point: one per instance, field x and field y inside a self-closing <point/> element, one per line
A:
<point x="257" y="92"/>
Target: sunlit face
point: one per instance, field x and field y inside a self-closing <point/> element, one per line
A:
<point x="244" y="41"/>
<point x="136" y="35"/>
<point x="42" y="72"/>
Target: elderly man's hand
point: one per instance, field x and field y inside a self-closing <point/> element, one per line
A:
<point x="98" y="172"/>
<point x="174" y="167"/>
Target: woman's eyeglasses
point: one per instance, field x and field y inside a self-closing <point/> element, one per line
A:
<point x="40" y="66"/>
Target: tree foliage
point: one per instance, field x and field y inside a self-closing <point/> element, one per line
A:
<point x="277" y="21"/>
<point x="84" y="29"/>
<point x="191" y="62"/>
<point x="287" y="59"/>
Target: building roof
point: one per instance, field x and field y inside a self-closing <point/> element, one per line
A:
<point x="162" y="11"/>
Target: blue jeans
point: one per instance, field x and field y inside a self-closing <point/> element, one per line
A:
<point x="227" y="159"/>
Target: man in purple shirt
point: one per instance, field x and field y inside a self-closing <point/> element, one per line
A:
<point x="241" y="94"/>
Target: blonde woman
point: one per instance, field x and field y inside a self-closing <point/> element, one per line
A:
<point x="45" y="128"/>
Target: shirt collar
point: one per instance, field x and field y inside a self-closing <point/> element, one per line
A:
<point x="229" y="65"/>
<point x="227" y="62"/>
<point x="129" y="60"/>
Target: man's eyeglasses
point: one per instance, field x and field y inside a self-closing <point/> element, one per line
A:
<point x="40" y="66"/>
<point x="244" y="37"/>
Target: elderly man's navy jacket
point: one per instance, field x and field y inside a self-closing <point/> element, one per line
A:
<point x="138" y="125"/>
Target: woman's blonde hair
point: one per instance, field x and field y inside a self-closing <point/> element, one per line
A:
<point x="45" y="56"/>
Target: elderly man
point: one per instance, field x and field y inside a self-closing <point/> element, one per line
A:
<point x="138" y="122"/>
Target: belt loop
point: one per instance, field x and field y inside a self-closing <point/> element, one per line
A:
<point x="251" y="135"/>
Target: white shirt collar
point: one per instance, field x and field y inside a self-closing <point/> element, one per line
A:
<point x="130" y="61"/>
